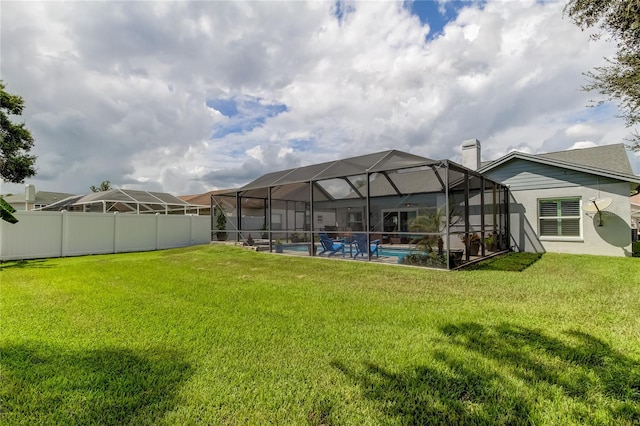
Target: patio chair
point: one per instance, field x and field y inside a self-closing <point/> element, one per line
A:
<point x="361" y="246"/>
<point x="329" y="245"/>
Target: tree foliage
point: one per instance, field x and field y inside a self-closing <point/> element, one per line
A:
<point x="619" y="80"/>
<point x="16" y="164"/>
<point x="104" y="186"/>
<point x="6" y="212"/>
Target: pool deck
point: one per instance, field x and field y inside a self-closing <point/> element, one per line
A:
<point x="302" y="250"/>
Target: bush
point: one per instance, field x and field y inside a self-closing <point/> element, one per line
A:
<point x="432" y="260"/>
<point x="635" y="249"/>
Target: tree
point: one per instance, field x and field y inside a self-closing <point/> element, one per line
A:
<point x="104" y="186"/>
<point x="619" y="81"/>
<point x="16" y="164"/>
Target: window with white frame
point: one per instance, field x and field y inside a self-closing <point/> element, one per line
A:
<point x="559" y="217"/>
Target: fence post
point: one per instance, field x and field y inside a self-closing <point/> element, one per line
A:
<point x="64" y="244"/>
<point x="190" y="229"/>
<point x="157" y="231"/>
<point x="116" y="240"/>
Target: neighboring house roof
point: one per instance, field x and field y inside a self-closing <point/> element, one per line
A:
<point x="609" y="161"/>
<point x="203" y="199"/>
<point x="635" y="207"/>
<point x="126" y="200"/>
<point x="42" y="198"/>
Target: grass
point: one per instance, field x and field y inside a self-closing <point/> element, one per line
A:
<point x="516" y="262"/>
<point x="222" y="335"/>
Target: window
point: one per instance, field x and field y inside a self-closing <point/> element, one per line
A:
<point x="559" y="217"/>
<point x="276" y="221"/>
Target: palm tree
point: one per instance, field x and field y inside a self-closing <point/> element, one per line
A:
<point x="104" y="186"/>
<point x="6" y="212"/>
<point x="432" y="221"/>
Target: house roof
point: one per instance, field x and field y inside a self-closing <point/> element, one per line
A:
<point x="609" y="161"/>
<point x="607" y="157"/>
<point x="202" y="199"/>
<point x="42" y="197"/>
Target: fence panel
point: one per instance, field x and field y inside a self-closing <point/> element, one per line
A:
<point x="173" y="231"/>
<point x="55" y="234"/>
<point x="136" y="232"/>
<point x="91" y="233"/>
<point x="32" y="237"/>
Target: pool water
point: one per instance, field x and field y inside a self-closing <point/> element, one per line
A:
<point x="394" y="252"/>
<point x="382" y="251"/>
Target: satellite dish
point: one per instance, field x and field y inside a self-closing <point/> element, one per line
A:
<point x="596" y="205"/>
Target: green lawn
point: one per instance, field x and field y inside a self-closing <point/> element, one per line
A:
<point x="222" y="335"/>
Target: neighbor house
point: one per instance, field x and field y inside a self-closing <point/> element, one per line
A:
<point x="552" y="196"/>
<point x="32" y="200"/>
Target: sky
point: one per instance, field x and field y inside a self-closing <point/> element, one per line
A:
<point x="186" y="97"/>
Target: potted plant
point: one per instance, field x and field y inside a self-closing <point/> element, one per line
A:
<point x="474" y="243"/>
<point x="221" y="223"/>
<point x="490" y="243"/>
<point x="279" y="246"/>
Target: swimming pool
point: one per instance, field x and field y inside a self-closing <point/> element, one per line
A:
<point x="399" y="253"/>
<point x="394" y="252"/>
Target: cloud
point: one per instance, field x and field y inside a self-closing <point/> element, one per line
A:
<point x="191" y="96"/>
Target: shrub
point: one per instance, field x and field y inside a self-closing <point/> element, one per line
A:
<point x="635" y="249"/>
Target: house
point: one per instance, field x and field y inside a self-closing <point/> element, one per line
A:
<point x="426" y="212"/>
<point x="32" y="200"/>
<point x="550" y="195"/>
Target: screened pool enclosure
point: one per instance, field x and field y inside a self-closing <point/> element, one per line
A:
<point x="389" y="206"/>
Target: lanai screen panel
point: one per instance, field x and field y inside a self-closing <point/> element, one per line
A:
<point x="457" y="205"/>
<point x="291" y="192"/>
<point x="398" y="160"/>
<point x="419" y="180"/>
<point x="343" y="188"/>
<point x="265" y="181"/>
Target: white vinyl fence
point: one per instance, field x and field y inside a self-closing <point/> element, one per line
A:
<point x="59" y="234"/>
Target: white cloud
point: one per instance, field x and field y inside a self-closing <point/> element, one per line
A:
<point x="118" y="91"/>
<point x="583" y="144"/>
